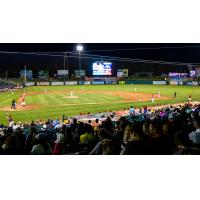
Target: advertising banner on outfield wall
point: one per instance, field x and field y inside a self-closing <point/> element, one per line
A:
<point x="138" y="82"/>
<point x="71" y="83"/>
<point x="159" y="82"/>
<point x="2" y="90"/>
<point x="43" y="83"/>
<point x="97" y="82"/>
<point x="114" y="82"/>
<point x="87" y="82"/>
<point x="173" y="82"/>
<point x="110" y="82"/>
<point x="193" y="83"/>
<point x="121" y="82"/>
<point x="81" y="82"/>
<point x="57" y="83"/>
<point x="30" y="83"/>
<point x="181" y="83"/>
<point x="84" y="82"/>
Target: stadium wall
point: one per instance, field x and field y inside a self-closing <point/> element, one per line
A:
<point x="113" y="82"/>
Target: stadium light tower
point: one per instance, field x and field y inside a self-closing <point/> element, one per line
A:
<point x="79" y="49"/>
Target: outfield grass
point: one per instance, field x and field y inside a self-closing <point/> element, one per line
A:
<point x="54" y="105"/>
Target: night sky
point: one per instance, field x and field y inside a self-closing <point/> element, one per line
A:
<point x="14" y="62"/>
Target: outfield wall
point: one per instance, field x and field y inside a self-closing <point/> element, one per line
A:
<point x="113" y="82"/>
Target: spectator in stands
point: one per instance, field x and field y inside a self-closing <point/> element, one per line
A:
<point x="103" y="134"/>
<point x="80" y="130"/>
<point x="59" y="144"/>
<point x="30" y="139"/>
<point x="21" y="139"/>
<point x="109" y="147"/>
<point x="131" y="111"/>
<point x="11" y="145"/>
<point x="108" y="125"/>
<point x="195" y="135"/>
<point x="145" y="109"/>
<point x="184" y="145"/>
<point x="135" y="144"/>
<point x="158" y="143"/>
<point x="88" y="137"/>
<point x="118" y="135"/>
<point x="68" y="134"/>
<point x="145" y="128"/>
<point x="41" y="146"/>
<point x="74" y="129"/>
<point x="127" y="134"/>
<point x="96" y="123"/>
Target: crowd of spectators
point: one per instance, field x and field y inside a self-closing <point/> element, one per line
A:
<point x="171" y="130"/>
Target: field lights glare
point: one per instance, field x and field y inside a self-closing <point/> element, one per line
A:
<point x="79" y="48"/>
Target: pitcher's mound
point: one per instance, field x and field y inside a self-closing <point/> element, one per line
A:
<point x="70" y="97"/>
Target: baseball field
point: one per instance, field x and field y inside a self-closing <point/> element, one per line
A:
<point x="50" y="102"/>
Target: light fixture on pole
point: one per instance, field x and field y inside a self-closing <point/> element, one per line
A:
<point x="79" y="49"/>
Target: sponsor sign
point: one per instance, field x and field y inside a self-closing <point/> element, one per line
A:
<point x="81" y="82"/>
<point x="62" y="72"/>
<point x="173" y="82"/>
<point x="191" y="83"/>
<point x="30" y="83"/>
<point x="121" y="82"/>
<point x="71" y="83"/>
<point x="159" y="82"/>
<point x="110" y="82"/>
<point x="114" y="82"/>
<point x="57" y="83"/>
<point x="97" y="82"/>
<point x="87" y="82"/>
<point x="26" y="73"/>
<point x="79" y="73"/>
<point x="180" y="83"/>
<point x="195" y="82"/>
<point x="43" y="74"/>
<point x="43" y="83"/>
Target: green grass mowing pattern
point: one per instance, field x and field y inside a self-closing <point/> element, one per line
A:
<point x="52" y="104"/>
<point x="6" y="97"/>
<point x="57" y="99"/>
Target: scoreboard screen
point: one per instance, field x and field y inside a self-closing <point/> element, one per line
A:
<point x="102" y="69"/>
